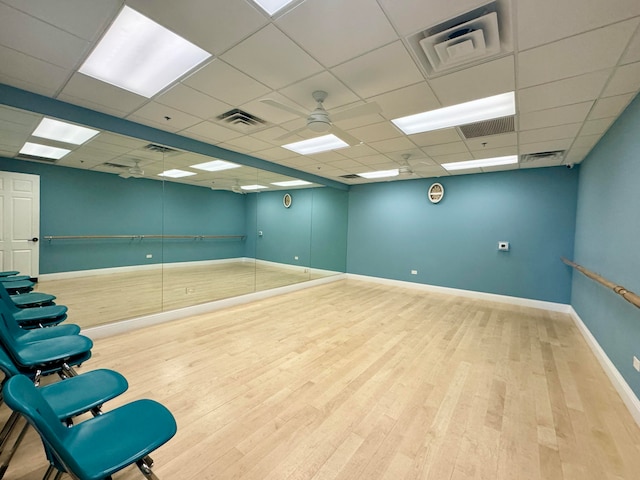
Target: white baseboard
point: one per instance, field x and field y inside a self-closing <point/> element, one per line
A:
<point x="492" y="297"/>
<point x="296" y="268"/>
<point x="148" y="320"/>
<point x="619" y="383"/>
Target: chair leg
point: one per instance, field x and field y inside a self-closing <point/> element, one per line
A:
<point x="7" y="455"/>
<point x="68" y="371"/>
<point x="8" y="429"/>
<point x="146" y="470"/>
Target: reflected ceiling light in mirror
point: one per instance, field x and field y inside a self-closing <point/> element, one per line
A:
<point x="380" y="173"/>
<point x="175" y="173"/>
<point x="497" y="106"/>
<point x="291" y="183"/>
<point x="43" y="151"/>
<point x="316" y="145"/>
<point x="253" y="187"/>
<point x="272" y="6"/>
<point x="215" y="166"/>
<point x="141" y="56"/>
<point x="483" y="162"/>
<point x="63" y="131"/>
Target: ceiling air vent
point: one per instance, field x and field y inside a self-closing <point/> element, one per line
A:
<point x="115" y="165"/>
<point x="488" y="127"/>
<point x="350" y="176"/>
<point x="22" y="156"/>
<point x="166" y="151"/>
<point x="467" y="39"/>
<point x="549" y="158"/>
<point x="241" y="120"/>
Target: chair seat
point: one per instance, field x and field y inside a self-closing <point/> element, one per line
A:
<point x="39" y="334"/>
<point x="110" y="442"/>
<point x="33" y="299"/>
<point x="16" y="278"/>
<point x="9" y="273"/>
<point x="22" y="286"/>
<point x="52" y="350"/>
<point x="80" y="394"/>
<point x="43" y="313"/>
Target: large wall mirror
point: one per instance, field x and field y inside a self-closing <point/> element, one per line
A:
<point x="130" y="228"/>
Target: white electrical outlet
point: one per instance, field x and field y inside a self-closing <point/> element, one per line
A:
<point x="503" y="246"/>
<point x="296" y="257"/>
<point x="636" y="363"/>
<point x="149" y="255"/>
<point x="414" y="272"/>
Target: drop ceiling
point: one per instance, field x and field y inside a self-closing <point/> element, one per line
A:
<point x="574" y="66"/>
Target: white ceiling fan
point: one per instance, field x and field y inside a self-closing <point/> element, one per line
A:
<point x="411" y="168"/>
<point x="135" y="171"/>
<point x="320" y="121"/>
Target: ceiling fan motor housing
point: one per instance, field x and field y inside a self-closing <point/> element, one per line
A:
<point x="318" y="120"/>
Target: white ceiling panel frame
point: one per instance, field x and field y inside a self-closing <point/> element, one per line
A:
<point x="383" y="70"/>
<point x="356" y="27"/>
<point x="558" y="132"/>
<point x="573" y="56"/>
<point x="338" y="93"/>
<point x="548" y="146"/>
<point x="393" y="145"/>
<point x="211" y="132"/>
<point x="626" y="79"/>
<point x="45" y="78"/>
<point x="445" y="135"/>
<point x="493" y="141"/>
<point x="407" y="101"/>
<point x="610" y="106"/>
<point x="376" y="132"/>
<point x="192" y="101"/>
<point x="446" y="149"/>
<point x="575" y="113"/>
<point x="562" y="92"/>
<point x="273" y="58"/>
<point x="632" y="54"/>
<point x="596" y="127"/>
<point x="163" y="117"/>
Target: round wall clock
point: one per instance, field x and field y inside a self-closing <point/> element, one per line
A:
<point x="286" y="200"/>
<point x="436" y="192"/>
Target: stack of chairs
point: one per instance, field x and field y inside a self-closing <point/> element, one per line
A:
<point x="33" y="344"/>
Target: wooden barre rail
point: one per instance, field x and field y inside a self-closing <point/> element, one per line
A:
<point x="135" y="237"/>
<point x="629" y="296"/>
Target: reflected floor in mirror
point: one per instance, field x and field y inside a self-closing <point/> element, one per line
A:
<point x="359" y="381"/>
<point x="107" y="298"/>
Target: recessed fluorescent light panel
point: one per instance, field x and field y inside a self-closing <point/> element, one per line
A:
<point x="272" y="6"/>
<point x="43" y="151"/>
<point x="253" y="187"/>
<point x="141" y="56"/>
<point x="502" y="105"/>
<point x="483" y="162"/>
<point x="63" y="132"/>
<point x="215" y="166"/>
<point x="380" y="173"/>
<point x="316" y="145"/>
<point x="291" y="183"/>
<point x="175" y="173"/>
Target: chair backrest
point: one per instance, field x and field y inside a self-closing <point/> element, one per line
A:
<point x="6" y="364"/>
<point x="21" y="395"/>
<point x="6" y="298"/>
<point x="11" y="325"/>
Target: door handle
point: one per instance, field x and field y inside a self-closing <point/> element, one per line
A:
<point x="35" y="239"/>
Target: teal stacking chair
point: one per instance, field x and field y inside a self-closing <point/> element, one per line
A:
<point x="15" y="278"/>
<point x="31" y="299"/>
<point x="33" y="317"/>
<point x="99" y="447"/>
<point x="22" y="286"/>
<point x="22" y="336"/>
<point x="9" y="273"/>
<point x="70" y="398"/>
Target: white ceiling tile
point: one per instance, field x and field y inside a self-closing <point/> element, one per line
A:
<point x="575" y="55"/>
<point x="481" y="81"/>
<point x="562" y="92"/>
<point x="337" y="93"/>
<point x="633" y="50"/>
<point x="115" y="139"/>
<point x="586" y="141"/>
<point x="548" y="146"/>
<point x="209" y="131"/>
<point x="453" y="157"/>
<point x="163" y="117"/>
<point x="393" y="145"/>
<point x="610" y="106"/>
<point x="225" y="83"/>
<point x="548" y="162"/>
<point x="493" y="141"/>
<point x="495" y="152"/>
<point x="269" y="112"/>
<point x="275" y="154"/>
<point x="30" y="73"/>
<point x="446" y="149"/>
<point x="216" y="26"/>
<point x="358" y="121"/>
<point x="500" y="168"/>
<point x="376" y="132"/>
<point x="626" y="79"/>
<point x="576" y="155"/>
<point x="385" y="69"/>
<point x="248" y="144"/>
<point x="554" y="116"/>
<point x="330" y="156"/>
<point x="596" y="127"/>
<point x="539" y="21"/>
<point x="356" y="27"/>
<point x="446" y="135"/>
<point x="81" y="18"/>
<point x="411" y="15"/>
<point x="358" y="151"/>
<point x="407" y="101"/>
<point x="550" y="133"/>
<point x="270" y="56"/>
<point x="187" y="99"/>
<point x="42" y="41"/>
<point x="270" y="134"/>
<point x="92" y="93"/>
<point x="373" y="160"/>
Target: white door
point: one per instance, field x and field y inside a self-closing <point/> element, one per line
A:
<point x="20" y="223"/>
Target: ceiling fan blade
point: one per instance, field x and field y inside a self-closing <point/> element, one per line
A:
<point x="290" y="134"/>
<point x="358" y="111"/>
<point x="284" y="107"/>
<point x="347" y="137"/>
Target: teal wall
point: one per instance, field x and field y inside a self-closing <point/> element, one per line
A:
<point x="394" y="229"/>
<point x="607" y="240"/>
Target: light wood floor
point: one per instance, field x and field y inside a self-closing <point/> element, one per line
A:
<point x="100" y="299"/>
<point x="351" y="380"/>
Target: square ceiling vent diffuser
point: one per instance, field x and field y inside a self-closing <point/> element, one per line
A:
<point x="467" y="39"/>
